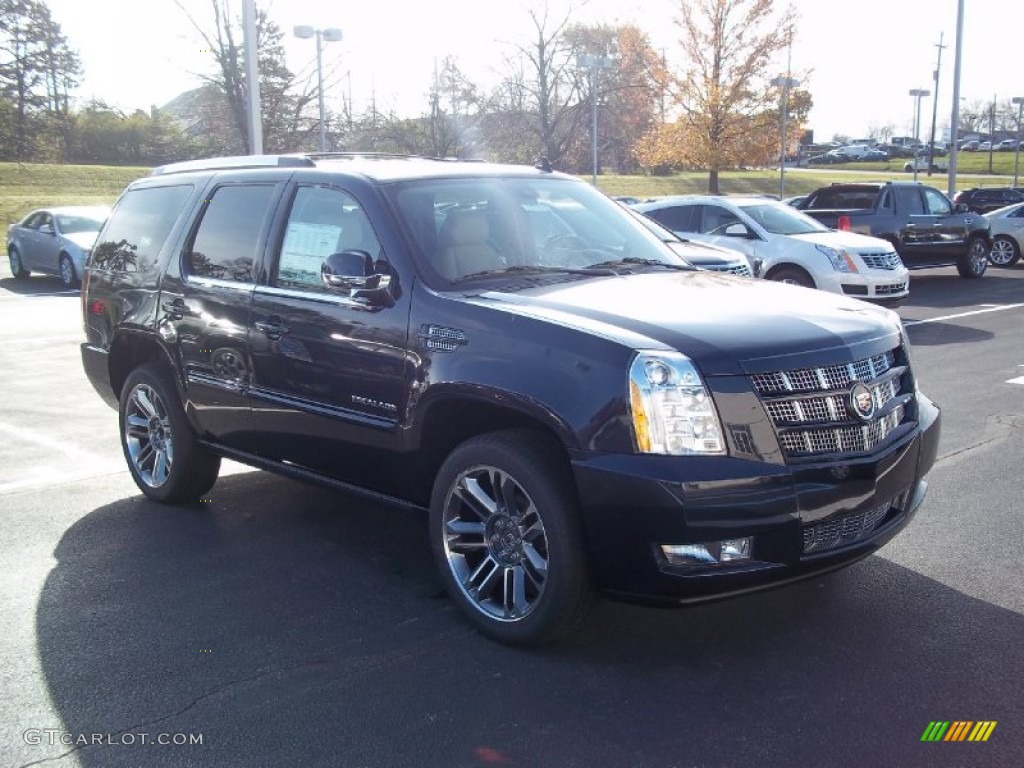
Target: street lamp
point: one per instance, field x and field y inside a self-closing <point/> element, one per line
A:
<point x="785" y="83"/>
<point x="1019" y="101"/>
<point x="594" y="64"/>
<point x="331" y="35"/>
<point x="918" y="94"/>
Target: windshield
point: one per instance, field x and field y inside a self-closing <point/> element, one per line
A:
<point x="781" y="219"/>
<point x="482" y="227"/>
<point x="70" y="225"/>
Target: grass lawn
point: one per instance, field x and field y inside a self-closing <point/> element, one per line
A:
<point x="25" y="186"/>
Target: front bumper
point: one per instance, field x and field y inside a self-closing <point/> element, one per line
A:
<point x="633" y="504"/>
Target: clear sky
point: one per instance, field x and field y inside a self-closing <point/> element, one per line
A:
<point x="861" y="56"/>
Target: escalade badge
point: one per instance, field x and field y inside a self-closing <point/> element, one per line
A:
<point x="862" y="402"/>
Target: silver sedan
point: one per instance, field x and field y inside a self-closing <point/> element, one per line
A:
<point x="1007" y="235"/>
<point x="55" y="241"/>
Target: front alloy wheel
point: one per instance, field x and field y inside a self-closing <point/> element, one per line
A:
<point x="975" y="261"/>
<point x="495" y="543"/>
<point x="1004" y="253"/>
<point x="505" y="531"/>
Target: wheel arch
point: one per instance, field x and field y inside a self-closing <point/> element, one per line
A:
<point x="452" y="418"/>
<point x="128" y="351"/>
<point x="789" y="265"/>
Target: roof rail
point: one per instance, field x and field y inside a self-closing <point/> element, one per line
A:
<point x="370" y="155"/>
<point x="236" y="162"/>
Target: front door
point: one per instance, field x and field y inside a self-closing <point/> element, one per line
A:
<point x="950" y="232"/>
<point x="330" y="374"/>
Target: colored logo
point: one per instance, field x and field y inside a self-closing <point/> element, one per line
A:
<point x="862" y="402"/>
<point x="958" y="730"/>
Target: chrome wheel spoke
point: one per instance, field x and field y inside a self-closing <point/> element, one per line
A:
<point x="161" y="467"/>
<point x="476" y="498"/>
<point x="537" y="562"/>
<point x="507" y="489"/>
<point x="515" y="603"/>
<point x="141" y="399"/>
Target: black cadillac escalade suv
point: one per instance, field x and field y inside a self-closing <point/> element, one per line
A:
<point x="576" y="407"/>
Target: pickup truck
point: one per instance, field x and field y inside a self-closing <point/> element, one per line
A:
<point x="926" y="229"/>
<point x="921" y="164"/>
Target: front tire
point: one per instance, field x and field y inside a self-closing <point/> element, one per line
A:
<point x="68" y="278"/>
<point x="1005" y="251"/>
<point x="164" y="458"/>
<point x="792" y="276"/>
<point x="973" y="264"/>
<point x="506" y="537"/>
<point x="17" y="267"/>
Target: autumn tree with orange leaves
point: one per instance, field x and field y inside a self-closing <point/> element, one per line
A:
<point x="727" y="111"/>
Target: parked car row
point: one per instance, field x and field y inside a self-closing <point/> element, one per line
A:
<point x="1006" y="145"/>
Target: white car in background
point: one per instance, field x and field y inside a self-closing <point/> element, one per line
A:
<point x="1007" y="235"/>
<point x="788" y="245"/>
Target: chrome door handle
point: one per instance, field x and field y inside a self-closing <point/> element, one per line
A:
<point x="271" y="330"/>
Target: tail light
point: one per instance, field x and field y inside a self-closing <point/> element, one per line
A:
<point x="843" y="225"/>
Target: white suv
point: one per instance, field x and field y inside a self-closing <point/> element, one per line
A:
<point x="787" y="245"/>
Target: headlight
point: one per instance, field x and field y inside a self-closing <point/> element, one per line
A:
<point x="840" y="260"/>
<point x="672" y="411"/>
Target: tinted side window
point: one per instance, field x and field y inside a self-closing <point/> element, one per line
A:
<point x="138" y="228"/>
<point x="908" y="199"/>
<point x="678" y="218"/>
<point x="322" y="221"/>
<point x="716" y="219"/>
<point x="938" y="205"/>
<point x="224" y="246"/>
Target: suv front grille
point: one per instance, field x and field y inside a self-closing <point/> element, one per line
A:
<point x="890" y="260"/>
<point x="740" y="269"/>
<point x="813" y="411"/>
<point x="848" y="529"/>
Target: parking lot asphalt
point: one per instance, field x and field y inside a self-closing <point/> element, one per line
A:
<point x="283" y="624"/>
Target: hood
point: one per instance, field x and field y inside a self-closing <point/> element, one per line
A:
<point x="727" y="325"/>
<point x="850" y="241"/>
<point x="83" y="240"/>
<point x="701" y="255"/>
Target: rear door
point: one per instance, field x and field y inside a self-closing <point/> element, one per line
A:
<point x="206" y="304"/>
<point x="330" y="375"/>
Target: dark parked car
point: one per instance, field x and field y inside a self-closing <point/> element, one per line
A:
<point x="572" y="409"/>
<point x="986" y="199"/>
<point x="920" y="221"/>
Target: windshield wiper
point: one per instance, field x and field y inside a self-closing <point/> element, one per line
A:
<point x="628" y="261"/>
<point x="522" y="268"/>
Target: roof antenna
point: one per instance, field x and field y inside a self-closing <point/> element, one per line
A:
<point x="543" y="164"/>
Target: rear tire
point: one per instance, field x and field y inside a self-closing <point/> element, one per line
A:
<point x="507" y="540"/>
<point x="974" y="262"/>
<point x="1005" y="251"/>
<point x="163" y="455"/>
<point x="17" y="267"/>
<point x="792" y="276"/>
<point x="68" y="278"/>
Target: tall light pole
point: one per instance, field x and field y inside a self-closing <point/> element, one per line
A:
<point x="954" y="122"/>
<point x="594" y="64"/>
<point x="785" y="83"/>
<point x="1019" y="101"/>
<point x="252" y="77"/>
<point x="935" y="107"/>
<point x="331" y="35"/>
<point x="917" y="93"/>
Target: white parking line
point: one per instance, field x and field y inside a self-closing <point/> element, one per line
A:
<point x="998" y="308"/>
<point x="1018" y="380"/>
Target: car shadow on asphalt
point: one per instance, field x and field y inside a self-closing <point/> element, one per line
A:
<point x="936" y="334"/>
<point x="293" y="626"/>
<point x="34" y="286"/>
<point x="943" y="287"/>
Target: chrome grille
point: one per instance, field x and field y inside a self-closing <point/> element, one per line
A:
<point x="849" y="439"/>
<point x="740" y="269"/>
<point x="848" y="529"/>
<point x="820" y="379"/>
<point x="890" y="260"/>
<point x="890" y="290"/>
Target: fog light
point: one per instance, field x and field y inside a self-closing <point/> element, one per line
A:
<point x="708" y="553"/>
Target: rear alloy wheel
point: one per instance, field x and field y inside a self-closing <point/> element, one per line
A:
<point x="506" y="537"/>
<point x="165" y="460"/>
<point x="67" y="272"/>
<point x="974" y="263"/>
<point x="1005" y="251"/>
<point x="17" y="268"/>
<point x="792" y="276"/>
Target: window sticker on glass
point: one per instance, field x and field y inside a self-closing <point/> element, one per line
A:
<point x="305" y="247"/>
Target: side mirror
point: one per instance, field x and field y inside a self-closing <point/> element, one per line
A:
<point x="351" y="272"/>
<point x="737" y="230"/>
<point x="961" y="208"/>
<point x="46" y="229"/>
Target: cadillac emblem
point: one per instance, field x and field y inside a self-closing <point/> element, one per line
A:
<point x="862" y="402"/>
